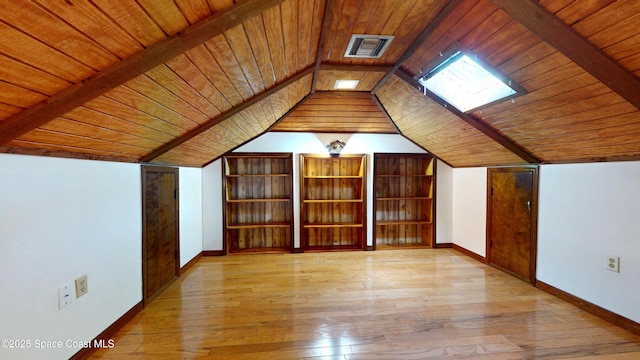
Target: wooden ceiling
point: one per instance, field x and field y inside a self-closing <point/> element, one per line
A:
<point x="182" y="82"/>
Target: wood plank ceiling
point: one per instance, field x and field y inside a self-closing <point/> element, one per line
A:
<point x="182" y="82"/>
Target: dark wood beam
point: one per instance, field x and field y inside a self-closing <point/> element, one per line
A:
<point x="326" y="20"/>
<point x="357" y="67"/>
<point x="386" y="114"/>
<point x="129" y="68"/>
<point x="482" y="127"/>
<point x="218" y="119"/>
<point x="572" y="44"/>
<point x="437" y="20"/>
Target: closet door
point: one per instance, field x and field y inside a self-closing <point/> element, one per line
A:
<point x="511" y="220"/>
<point x="160" y="243"/>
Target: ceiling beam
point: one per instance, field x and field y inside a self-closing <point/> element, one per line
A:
<point x="129" y="68"/>
<point x="573" y="45"/>
<point x="356" y="67"/>
<point x="220" y="118"/>
<point x="326" y="20"/>
<point x="482" y="127"/>
<point x="437" y="20"/>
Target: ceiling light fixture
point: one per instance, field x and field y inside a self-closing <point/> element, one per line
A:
<point x="346" y="84"/>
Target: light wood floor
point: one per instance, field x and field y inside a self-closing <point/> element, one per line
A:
<point x="396" y="304"/>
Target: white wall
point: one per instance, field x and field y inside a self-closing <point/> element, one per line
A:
<point x="212" y="231"/>
<point x="298" y="143"/>
<point x="191" y="226"/>
<point x="470" y="209"/>
<point x="60" y="219"/>
<point x="444" y="204"/>
<point x="587" y="212"/>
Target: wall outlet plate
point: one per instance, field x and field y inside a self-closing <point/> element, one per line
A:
<point x="64" y="295"/>
<point x="82" y="287"/>
<point x="613" y="263"/>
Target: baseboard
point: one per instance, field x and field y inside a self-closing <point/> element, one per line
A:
<point x="191" y="262"/>
<point x="213" y="253"/>
<point x="469" y="253"/>
<point x="104" y="339"/>
<point x="443" y="246"/>
<point x="591" y="308"/>
<point x="369" y="248"/>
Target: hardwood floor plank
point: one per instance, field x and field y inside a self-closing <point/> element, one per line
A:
<point x="403" y="304"/>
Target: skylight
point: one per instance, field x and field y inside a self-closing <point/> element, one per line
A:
<point x="467" y="84"/>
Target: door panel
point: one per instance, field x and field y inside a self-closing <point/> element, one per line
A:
<point x="511" y="220"/>
<point x="160" y="236"/>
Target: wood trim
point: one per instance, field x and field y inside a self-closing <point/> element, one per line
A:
<point x="591" y="308"/>
<point x="64" y="154"/>
<point x="104" y="338"/>
<point x="385" y="113"/>
<point x="572" y="44"/>
<point x="437" y="20"/>
<point x="212" y="253"/>
<point x="356" y="67"/>
<point x="469" y="253"/>
<point x="218" y="119"/>
<point x="328" y="10"/>
<point x="478" y="125"/>
<point x="443" y="246"/>
<point x="190" y="264"/>
<point x="125" y="70"/>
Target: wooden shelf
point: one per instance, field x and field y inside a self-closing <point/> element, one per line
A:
<point x="257" y="225"/>
<point x="331" y="225"/>
<point x="404" y="206"/>
<point x="255" y="200"/>
<point x="407" y="198"/>
<point x="332" y="202"/>
<point x="258" y="207"/>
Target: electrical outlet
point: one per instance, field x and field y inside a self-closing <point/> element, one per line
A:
<point x="64" y="295"/>
<point x="82" y="287"/>
<point x="613" y="263"/>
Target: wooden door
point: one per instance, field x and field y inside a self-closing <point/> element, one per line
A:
<point x="511" y="220"/>
<point x="160" y="245"/>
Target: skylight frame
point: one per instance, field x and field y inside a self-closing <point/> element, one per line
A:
<point x="448" y="57"/>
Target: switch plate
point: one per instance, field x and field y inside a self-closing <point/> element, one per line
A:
<point x="82" y="287"/>
<point x="64" y="295"/>
<point x="613" y="263"/>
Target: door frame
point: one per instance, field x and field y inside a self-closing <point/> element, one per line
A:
<point x="533" y="217"/>
<point x="148" y="169"/>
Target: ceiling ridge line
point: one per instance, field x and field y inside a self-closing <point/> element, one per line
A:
<point x="129" y="68"/>
<point x="218" y="119"/>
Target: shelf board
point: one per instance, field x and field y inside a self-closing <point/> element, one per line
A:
<point x="405" y="198"/>
<point x="258" y="225"/>
<point x="332" y="225"/>
<point x="255" y="175"/>
<point x="334" y="177"/>
<point x="402" y="222"/>
<point x="256" y="200"/>
<point x="403" y="175"/>
<point x="332" y="201"/>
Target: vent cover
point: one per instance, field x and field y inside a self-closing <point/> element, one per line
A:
<point x="367" y="46"/>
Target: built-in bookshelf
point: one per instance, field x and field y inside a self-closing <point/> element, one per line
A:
<point x="404" y="201"/>
<point x="333" y="202"/>
<point x="258" y="202"/>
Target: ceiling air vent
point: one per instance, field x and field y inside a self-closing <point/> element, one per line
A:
<point x="367" y="46"/>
